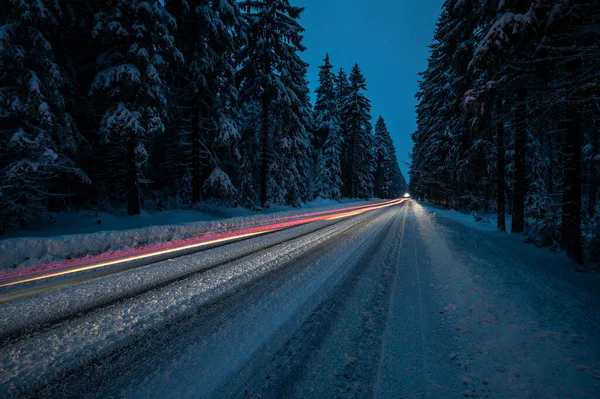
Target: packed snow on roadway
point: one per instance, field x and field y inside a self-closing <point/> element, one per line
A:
<point x="83" y="234"/>
<point x="401" y="302"/>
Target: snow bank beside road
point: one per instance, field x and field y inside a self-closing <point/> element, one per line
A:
<point x="478" y="220"/>
<point x="33" y="250"/>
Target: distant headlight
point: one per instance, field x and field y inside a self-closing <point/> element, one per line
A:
<point x="407" y="195"/>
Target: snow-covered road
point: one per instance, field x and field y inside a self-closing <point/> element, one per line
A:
<point x="396" y="302"/>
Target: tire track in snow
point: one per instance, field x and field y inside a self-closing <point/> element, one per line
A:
<point x="119" y="368"/>
<point x="122" y="324"/>
<point x="362" y="380"/>
<point x="367" y="285"/>
<point x="415" y="360"/>
<point x="393" y="288"/>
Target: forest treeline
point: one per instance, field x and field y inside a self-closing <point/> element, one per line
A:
<point x="508" y="117"/>
<point x="166" y="104"/>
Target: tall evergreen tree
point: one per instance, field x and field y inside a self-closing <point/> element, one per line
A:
<point x="357" y="122"/>
<point x="328" y="138"/>
<point x="208" y="34"/>
<point x="130" y="89"/>
<point x="288" y="177"/>
<point x="272" y="72"/>
<point x="432" y="167"/>
<point x="38" y="137"/>
<point x="325" y="109"/>
<point x="388" y="179"/>
<point x="526" y="117"/>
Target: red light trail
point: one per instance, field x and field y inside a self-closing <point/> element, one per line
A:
<point x="20" y="276"/>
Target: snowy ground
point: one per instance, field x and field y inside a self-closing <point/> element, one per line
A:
<point x="477" y="220"/>
<point x="79" y="235"/>
<point x="392" y="303"/>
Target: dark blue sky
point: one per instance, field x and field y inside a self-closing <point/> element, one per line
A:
<point x="388" y="38"/>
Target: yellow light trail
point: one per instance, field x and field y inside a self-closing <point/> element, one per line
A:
<point x="197" y="245"/>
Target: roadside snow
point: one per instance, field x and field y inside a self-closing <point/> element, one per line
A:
<point x="525" y="323"/>
<point x="477" y="220"/>
<point x="76" y="236"/>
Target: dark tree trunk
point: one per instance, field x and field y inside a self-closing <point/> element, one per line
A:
<point x="500" y="165"/>
<point x="133" y="194"/>
<point x="196" y="164"/>
<point x="264" y="139"/>
<point x="518" y="220"/>
<point x="571" y="217"/>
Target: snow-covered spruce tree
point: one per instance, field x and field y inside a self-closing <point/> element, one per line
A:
<point x="538" y="208"/>
<point x="38" y="137"/>
<point x="467" y="152"/>
<point x="431" y="172"/>
<point x="325" y="109"/>
<point x="342" y="87"/>
<point x="357" y="120"/>
<point x="545" y="78"/>
<point x="574" y="87"/>
<point x="272" y="73"/>
<point x="388" y="180"/>
<point x="399" y="186"/>
<point x="508" y="39"/>
<point x="76" y="55"/>
<point x="380" y="151"/>
<point x="246" y="193"/>
<point x="441" y="165"/>
<point x="328" y="135"/>
<point x="248" y="172"/>
<point x="306" y="150"/>
<point x="218" y="186"/>
<point x="208" y="34"/>
<point x="292" y="150"/>
<point x="332" y="159"/>
<point x="130" y="90"/>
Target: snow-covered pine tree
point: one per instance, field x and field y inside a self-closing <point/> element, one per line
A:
<point x="292" y="159"/>
<point x="130" y="89"/>
<point x="398" y="181"/>
<point x="208" y="34"/>
<point x="325" y="109"/>
<point x="432" y="168"/>
<point x="38" y="137"/>
<point x="507" y="38"/>
<point x="246" y="193"/>
<point x="388" y="179"/>
<point x="357" y="120"/>
<point x="380" y="152"/>
<point x="342" y="87"/>
<point x="71" y="41"/>
<point x="570" y="41"/>
<point x="328" y="135"/>
<point x="538" y="216"/>
<point x="248" y="174"/>
<point x="332" y="157"/>
<point x="272" y="72"/>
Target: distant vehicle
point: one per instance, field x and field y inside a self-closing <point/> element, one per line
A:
<point x="407" y="195"/>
